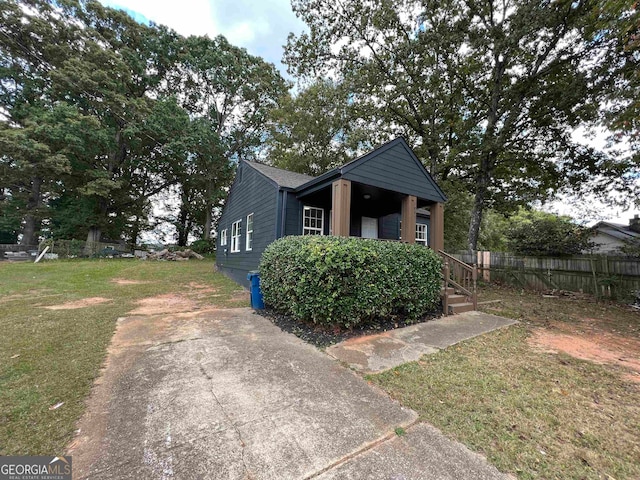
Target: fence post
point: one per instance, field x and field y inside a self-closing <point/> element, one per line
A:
<point x="596" y="292"/>
<point x="486" y="266"/>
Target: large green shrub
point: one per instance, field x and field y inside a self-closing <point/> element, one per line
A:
<point x="541" y="234"/>
<point x="348" y="281"/>
<point x="204" y="247"/>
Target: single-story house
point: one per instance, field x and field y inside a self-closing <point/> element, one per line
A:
<point x="611" y="237"/>
<point x="385" y="194"/>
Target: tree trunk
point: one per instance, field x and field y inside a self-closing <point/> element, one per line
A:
<point x="135" y="233"/>
<point x="207" y="223"/>
<point x="476" y="218"/>
<point x="489" y="155"/>
<point x="93" y="237"/>
<point x="115" y="159"/>
<point x="183" y="225"/>
<point x="208" y="220"/>
<point x="32" y="219"/>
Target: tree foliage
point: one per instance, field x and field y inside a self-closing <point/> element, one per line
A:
<point x="230" y="92"/>
<point x="315" y="130"/>
<point x="101" y="113"/>
<point x="489" y="92"/>
<point x="623" y="116"/>
<point x="536" y="233"/>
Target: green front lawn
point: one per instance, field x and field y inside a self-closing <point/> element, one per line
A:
<point x="53" y="356"/>
<point x="534" y="414"/>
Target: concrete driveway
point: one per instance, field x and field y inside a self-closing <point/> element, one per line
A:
<point x="224" y="394"/>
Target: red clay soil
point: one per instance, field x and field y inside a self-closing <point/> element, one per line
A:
<point x="590" y="344"/>
<point x="82" y="303"/>
<point x="164" y="304"/>
<point x="124" y="281"/>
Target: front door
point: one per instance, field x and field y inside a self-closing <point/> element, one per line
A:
<point x="369" y="227"/>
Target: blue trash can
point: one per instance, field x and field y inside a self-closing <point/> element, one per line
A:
<point x="257" y="302"/>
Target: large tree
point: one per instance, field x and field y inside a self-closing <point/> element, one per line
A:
<point x="232" y="91"/>
<point x="314" y="130"/>
<point x="116" y="74"/>
<point x="99" y="113"/>
<point x="90" y="132"/>
<point x="488" y="91"/>
<point x="203" y="181"/>
<point x="33" y="123"/>
<point x="623" y="97"/>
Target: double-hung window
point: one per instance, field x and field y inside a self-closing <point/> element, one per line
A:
<point x="235" y="236"/>
<point x="421" y="233"/>
<point x="223" y="238"/>
<point x="313" y="221"/>
<point x="249" y="236"/>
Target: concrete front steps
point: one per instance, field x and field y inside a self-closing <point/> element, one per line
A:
<point x="456" y="303"/>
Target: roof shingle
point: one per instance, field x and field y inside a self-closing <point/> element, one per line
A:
<point x="283" y="178"/>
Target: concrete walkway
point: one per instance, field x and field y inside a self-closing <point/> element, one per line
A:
<point x="224" y="394"/>
<point x="376" y="353"/>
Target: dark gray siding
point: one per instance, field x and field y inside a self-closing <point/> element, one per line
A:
<point x="355" y="225"/>
<point x="389" y="226"/>
<point x="396" y="170"/>
<point x="293" y="215"/>
<point x="251" y="192"/>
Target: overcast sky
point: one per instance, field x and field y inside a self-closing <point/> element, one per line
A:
<point x="262" y="27"/>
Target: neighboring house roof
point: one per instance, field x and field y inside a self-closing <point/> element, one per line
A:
<point x="284" y="178"/>
<point x="618" y="231"/>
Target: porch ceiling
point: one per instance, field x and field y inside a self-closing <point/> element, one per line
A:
<point x="380" y="202"/>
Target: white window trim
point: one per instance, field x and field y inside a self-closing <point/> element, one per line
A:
<point x="248" y="246"/>
<point x="319" y="230"/>
<point x="424" y="241"/>
<point x="223" y="238"/>
<point x="235" y="238"/>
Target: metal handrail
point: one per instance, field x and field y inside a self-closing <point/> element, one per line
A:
<point x="461" y="276"/>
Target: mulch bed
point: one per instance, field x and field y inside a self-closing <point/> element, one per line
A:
<point x="323" y="337"/>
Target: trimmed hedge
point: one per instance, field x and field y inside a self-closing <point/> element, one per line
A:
<point x="349" y="281"/>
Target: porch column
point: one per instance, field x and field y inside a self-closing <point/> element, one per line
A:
<point x="341" y="208"/>
<point x="437" y="226"/>
<point x="408" y="233"/>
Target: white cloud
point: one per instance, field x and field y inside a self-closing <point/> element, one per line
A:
<point x="244" y="33"/>
<point x="187" y="17"/>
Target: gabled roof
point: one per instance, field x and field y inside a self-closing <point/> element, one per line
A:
<point x="350" y="170"/>
<point x="305" y="184"/>
<point x="617" y="230"/>
<point x="283" y="178"/>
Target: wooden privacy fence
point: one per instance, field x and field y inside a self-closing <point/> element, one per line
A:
<point x="597" y="274"/>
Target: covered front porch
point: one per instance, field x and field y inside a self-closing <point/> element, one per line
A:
<point x="343" y="207"/>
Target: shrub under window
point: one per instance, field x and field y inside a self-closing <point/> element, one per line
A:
<point x="349" y="281"/>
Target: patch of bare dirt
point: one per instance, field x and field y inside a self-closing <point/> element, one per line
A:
<point x="596" y="347"/>
<point x="163" y="304"/>
<point x="82" y="303"/>
<point x="15" y="296"/>
<point x="124" y="281"/>
<point x="32" y="293"/>
<point x="202" y="288"/>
